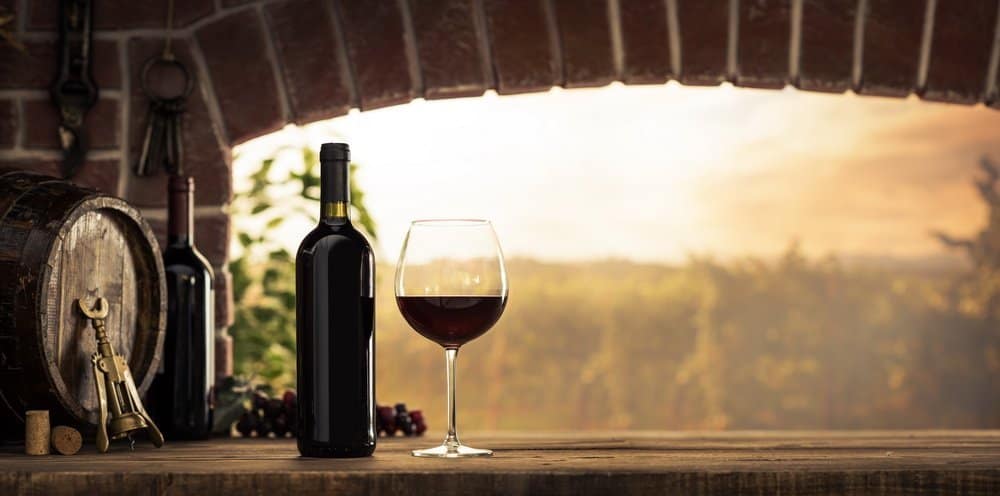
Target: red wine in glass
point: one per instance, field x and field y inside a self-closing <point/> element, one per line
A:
<point x="451" y="321"/>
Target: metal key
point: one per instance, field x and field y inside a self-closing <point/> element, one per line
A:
<point x="151" y="143"/>
<point x="174" y="146"/>
<point x="162" y="143"/>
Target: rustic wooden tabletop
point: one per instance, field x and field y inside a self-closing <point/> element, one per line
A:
<point x="829" y="462"/>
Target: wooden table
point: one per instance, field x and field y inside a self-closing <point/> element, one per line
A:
<point x="885" y="462"/>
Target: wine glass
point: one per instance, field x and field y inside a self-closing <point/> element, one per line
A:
<point x="451" y="287"/>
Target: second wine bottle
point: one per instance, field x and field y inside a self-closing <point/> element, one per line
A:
<point x="181" y="397"/>
<point x="335" y="324"/>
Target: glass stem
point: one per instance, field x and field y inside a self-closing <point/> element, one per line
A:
<point x="452" y="440"/>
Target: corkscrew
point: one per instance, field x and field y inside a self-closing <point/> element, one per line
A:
<point x="116" y="392"/>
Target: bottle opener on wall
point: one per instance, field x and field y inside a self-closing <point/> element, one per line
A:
<point x="116" y="391"/>
<point x="74" y="91"/>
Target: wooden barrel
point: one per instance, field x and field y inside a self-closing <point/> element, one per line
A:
<point x="60" y="242"/>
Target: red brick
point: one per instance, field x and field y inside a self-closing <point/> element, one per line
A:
<point x="8" y="124"/>
<point x="211" y="236"/>
<point x="306" y="47"/>
<point x="101" y="175"/>
<point x="124" y="14"/>
<point x="826" y="54"/>
<point x="764" y="31"/>
<point x="47" y="167"/>
<point x="960" y="51"/>
<point x="223" y="297"/>
<point x="893" y="30"/>
<point x="448" y="47"/>
<point x="105" y="65"/>
<point x="36" y="68"/>
<point x="235" y="53"/>
<point x="376" y="47"/>
<point x="704" y="35"/>
<point x="520" y="46"/>
<point x="42" y="123"/>
<point x="204" y="158"/>
<point x="645" y="41"/>
<point x="585" y="37"/>
<point x="223" y="353"/>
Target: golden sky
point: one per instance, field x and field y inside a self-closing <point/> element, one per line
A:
<point x="656" y="173"/>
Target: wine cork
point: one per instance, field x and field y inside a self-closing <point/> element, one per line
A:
<point x="36" y="432"/>
<point x="66" y="440"/>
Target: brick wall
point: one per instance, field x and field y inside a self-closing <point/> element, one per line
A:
<point x="262" y="64"/>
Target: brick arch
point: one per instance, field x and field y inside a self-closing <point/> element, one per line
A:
<point x="264" y="63"/>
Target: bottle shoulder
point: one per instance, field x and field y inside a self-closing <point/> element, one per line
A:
<point x="328" y="236"/>
<point x="176" y="258"/>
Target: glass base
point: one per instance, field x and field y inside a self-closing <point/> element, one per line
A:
<point x="448" y="450"/>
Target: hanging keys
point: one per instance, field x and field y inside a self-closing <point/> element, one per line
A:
<point x="162" y="144"/>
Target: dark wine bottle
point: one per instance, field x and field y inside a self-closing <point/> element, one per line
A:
<point x="181" y="397"/>
<point x="335" y="324"/>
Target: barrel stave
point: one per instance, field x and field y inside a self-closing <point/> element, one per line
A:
<point x="60" y="242"/>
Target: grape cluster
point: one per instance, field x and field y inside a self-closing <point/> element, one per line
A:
<point x="266" y="416"/>
<point x="279" y="416"/>
<point x="389" y="420"/>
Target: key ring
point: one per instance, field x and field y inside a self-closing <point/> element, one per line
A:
<point x="165" y="62"/>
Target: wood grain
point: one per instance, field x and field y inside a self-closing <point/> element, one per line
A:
<point x="93" y="261"/>
<point x="60" y="242"/>
<point x="886" y="463"/>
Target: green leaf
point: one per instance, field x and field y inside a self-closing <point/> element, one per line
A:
<point x="274" y="222"/>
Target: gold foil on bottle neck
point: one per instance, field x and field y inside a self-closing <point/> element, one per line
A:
<point x="335" y="209"/>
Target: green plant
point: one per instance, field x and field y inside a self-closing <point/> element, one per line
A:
<point x="285" y="188"/>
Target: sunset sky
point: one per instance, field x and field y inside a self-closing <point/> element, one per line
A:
<point x="655" y="173"/>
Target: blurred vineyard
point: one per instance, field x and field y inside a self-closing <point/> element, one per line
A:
<point x="787" y="343"/>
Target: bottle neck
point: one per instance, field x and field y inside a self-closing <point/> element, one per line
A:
<point x="335" y="211"/>
<point x="335" y="191"/>
<point x="180" y="218"/>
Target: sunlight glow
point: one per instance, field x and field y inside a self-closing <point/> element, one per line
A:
<point x="656" y="173"/>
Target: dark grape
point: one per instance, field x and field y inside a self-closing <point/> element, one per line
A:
<point x="265" y="427"/>
<point x="246" y="424"/>
<point x="281" y="425"/>
<point x="419" y="426"/>
<point x="403" y="420"/>
<point x="293" y="422"/>
<point x="273" y="408"/>
<point x="259" y="400"/>
<point x="386" y="420"/>
<point x="291" y="400"/>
